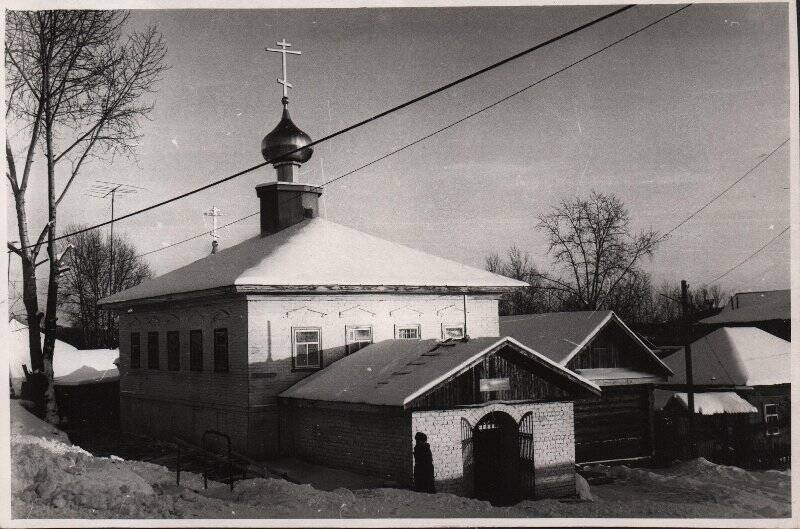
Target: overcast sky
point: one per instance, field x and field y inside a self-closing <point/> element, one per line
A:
<point x="665" y="120"/>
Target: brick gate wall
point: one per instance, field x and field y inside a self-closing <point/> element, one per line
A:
<point x="553" y="444"/>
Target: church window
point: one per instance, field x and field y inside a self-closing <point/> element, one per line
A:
<point x="408" y="332"/>
<point x="152" y="350"/>
<point x="136" y="347"/>
<point x="452" y="331"/>
<point x="221" y="350"/>
<point x="196" y="350"/>
<point x="173" y="350"/>
<point x="306" y="348"/>
<point x="358" y="337"/>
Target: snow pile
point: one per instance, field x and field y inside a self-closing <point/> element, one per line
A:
<point x="281" y="499"/>
<point x="51" y="472"/>
<point x="739" y="492"/>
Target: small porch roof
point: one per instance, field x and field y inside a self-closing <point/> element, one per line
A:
<point x="712" y="403"/>
<point x="396" y="372"/>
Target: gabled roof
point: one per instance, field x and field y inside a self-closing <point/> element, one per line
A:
<point x="561" y="335"/>
<point x="735" y="356"/>
<point x="395" y="372"/>
<point x="314" y="255"/>
<point x="754" y="306"/>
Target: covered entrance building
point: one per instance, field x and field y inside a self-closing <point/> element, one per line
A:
<point x="498" y="416"/>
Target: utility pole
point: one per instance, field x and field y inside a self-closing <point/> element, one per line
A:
<point x="687" y="353"/>
<point x="214" y="212"/>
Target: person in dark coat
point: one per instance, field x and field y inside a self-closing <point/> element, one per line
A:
<point x="423" y="465"/>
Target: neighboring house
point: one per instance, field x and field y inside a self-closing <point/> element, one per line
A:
<point x="292" y="313"/>
<point x="70" y="365"/>
<point x="738" y="364"/>
<point x="599" y="346"/>
<point x="86" y="381"/>
<point x="769" y="311"/>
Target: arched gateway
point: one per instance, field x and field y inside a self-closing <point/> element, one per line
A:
<point x="496" y="451"/>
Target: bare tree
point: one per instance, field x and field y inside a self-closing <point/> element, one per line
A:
<point x="87" y="281"/>
<point x="75" y="85"/>
<point x="703" y="301"/>
<point x="594" y="248"/>
<point x="536" y="298"/>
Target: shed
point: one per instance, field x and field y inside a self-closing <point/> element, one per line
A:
<point x="752" y="362"/>
<point x="599" y="346"/>
<point x="497" y="415"/>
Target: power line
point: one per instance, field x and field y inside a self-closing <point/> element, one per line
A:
<point x="454" y="123"/>
<point x="747" y="258"/>
<point x="361" y="123"/>
<point x="687" y="219"/>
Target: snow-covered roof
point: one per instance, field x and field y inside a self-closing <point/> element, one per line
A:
<point x="712" y="403"/>
<point x="561" y="335"/>
<point x="754" y="306"/>
<point x="88" y="375"/>
<point x="316" y="255"/>
<point x="66" y="358"/>
<point x="395" y="372"/>
<point x="735" y="356"/>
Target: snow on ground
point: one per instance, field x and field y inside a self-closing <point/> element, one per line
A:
<point x="52" y="478"/>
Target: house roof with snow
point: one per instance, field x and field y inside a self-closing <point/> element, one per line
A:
<point x="396" y="372"/>
<point x="707" y="403"/>
<point x="754" y="306"/>
<point x="317" y="255"/>
<point x="735" y="356"/>
<point x="71" y="365"/>
<point x="561" y="335"/>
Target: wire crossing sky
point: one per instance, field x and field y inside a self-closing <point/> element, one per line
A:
<point x="665" y="121"/>
<point x="354" y="126"/>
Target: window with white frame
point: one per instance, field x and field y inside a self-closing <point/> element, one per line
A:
<point x="306" y="348"/>
<point x="407" y="332"/>
<point x="358" y="337"/>
<point x="771" y="419"/>
<point x="454" y="331"/>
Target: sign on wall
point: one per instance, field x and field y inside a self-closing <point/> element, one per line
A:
<point x="495" y="384"/>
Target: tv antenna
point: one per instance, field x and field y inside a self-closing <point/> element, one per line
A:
<point x="104" y="189"/>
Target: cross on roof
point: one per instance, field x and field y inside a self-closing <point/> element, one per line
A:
<point x="283" y="51"/>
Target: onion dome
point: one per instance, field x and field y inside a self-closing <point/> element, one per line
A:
<point x="284" y="138"/>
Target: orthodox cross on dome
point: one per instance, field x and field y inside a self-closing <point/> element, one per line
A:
<point x="283" y="51"/>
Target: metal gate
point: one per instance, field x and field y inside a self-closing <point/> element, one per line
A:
<point x="527" y="469"/>
<point x="468" y="459"/>
<point x="496" y="459"/>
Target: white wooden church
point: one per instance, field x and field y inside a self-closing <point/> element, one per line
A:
<point x="316" y="340"/>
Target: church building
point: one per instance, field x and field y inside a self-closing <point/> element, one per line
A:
<point x="315" y="340"/>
